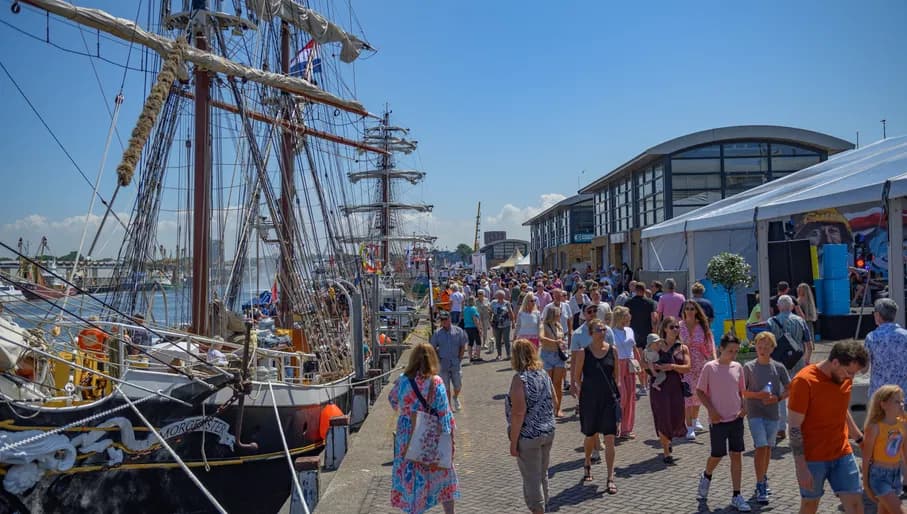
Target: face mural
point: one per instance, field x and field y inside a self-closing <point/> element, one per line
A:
<point x="864" y="224"/>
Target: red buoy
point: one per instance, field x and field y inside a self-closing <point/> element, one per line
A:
<point x="327" y="412"/>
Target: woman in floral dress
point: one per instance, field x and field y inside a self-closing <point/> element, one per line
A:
<point x="696" y="335"/>
<point x="416" y="486"/>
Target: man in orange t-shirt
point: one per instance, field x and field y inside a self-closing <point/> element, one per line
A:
<point x="820" y="423"/>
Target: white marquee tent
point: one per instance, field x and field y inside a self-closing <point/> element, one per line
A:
<point x="876" y="173"/>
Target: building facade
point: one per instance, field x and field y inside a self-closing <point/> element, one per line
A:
<point x="689" y="172"/>
<point x="560" y="235"/>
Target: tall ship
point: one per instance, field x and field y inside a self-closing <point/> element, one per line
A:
<point x="113" y="402"/>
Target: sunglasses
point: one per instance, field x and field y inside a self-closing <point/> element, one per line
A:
<point x="600" y="330"/>
<point x="592" y="310"/>
<point x="689" y="308"/>
<point x="674" y="327"/>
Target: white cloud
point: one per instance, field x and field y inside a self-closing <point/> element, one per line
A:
<point x="509" y="218"/>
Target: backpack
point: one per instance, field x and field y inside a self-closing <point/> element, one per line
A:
<point x="787" y="351"/>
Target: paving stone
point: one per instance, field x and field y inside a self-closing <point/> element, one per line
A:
<point x="490" y="481"/>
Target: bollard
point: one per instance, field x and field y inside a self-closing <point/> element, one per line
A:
<point x="337" y="442"/>
<point x="310" y="479"/>
<point x="374" y="382"/>
<point x="385" y="360"/>
<point x="360" y="405"/>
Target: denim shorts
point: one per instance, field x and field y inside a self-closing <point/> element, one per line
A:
<point x="763" y="431"/>
<point x="550" y="360"/>
<point x="884" y="480"/>
<point x="842" y="474"/>
<point x="452" y="376"/>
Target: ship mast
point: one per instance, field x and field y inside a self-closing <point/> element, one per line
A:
<point x="393" y="141"/>
<point x="201" y="216"/>
<point x="287" y="186"/>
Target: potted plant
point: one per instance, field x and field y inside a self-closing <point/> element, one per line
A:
<point x="730" y="271"/>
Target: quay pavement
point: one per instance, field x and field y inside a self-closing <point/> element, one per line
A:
<point x="490" y="481"/>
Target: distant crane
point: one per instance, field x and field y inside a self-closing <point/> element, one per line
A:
<point x="475" y="245"/>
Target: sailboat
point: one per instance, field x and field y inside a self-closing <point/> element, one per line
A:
<point x="120" y="412"/>
<point x="33" y="281"/>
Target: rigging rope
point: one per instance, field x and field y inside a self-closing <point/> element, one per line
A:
<point x="286" y="450"/>
<point x="175" y="456"/>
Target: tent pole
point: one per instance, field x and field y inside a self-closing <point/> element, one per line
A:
<point x="895" y="255"/>
<point x="765" y="286"/>
<point x="691" y="260"/>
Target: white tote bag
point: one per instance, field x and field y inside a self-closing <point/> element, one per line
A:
<point x="429" y="444"/>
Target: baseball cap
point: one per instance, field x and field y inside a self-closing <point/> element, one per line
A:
<point x="443" y="315"/>
<point x="652" y="338"/>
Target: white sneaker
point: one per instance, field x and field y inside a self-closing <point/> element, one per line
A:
<point x="697" y="426"/>
<point x="457" y="405"/>
<point x="691" y="434"/>
<point x="740" y="504"/>
<point x="702" y="492"/>
<point x="641" y="391"/>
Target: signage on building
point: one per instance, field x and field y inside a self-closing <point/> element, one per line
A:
<point x="583" y="238"/>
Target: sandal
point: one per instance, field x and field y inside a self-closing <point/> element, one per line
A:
<point x="612" y="488"/>
<point x="587" y="477"/>
<point x="668" y="460"/>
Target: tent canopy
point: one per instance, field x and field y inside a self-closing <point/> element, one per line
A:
<point x="512" y="261"/>
<point x="849" y="178"/>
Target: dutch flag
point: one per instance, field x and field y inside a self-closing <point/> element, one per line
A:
<point x="306" y="61"/>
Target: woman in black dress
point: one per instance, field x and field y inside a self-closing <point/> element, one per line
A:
<point x="597" y="376"/>
<point x="667" y="403"/>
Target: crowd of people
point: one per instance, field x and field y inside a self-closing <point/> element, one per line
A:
<point x="609" y="341"/>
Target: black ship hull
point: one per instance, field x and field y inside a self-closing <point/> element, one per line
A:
<point x="121" y="467"/>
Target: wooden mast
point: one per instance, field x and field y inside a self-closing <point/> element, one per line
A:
<point x="201" y="215"/>
<point x="287" y="189"/>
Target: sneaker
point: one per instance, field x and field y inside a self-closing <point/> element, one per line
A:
<point x="768" y="490"/>
<point x="697" y="426"/>
<point x="761" y="494"/>
<point x="703" y="492"/>
<point x="691" y="434"/>
<point x="457" y="405"/>
<point x="740" y="504"/>
<point x="641" y="391"/>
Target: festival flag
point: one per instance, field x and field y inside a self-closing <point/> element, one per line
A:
<point x="306" y="62"/>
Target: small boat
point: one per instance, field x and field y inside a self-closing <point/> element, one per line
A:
<point x="9" y="293"/>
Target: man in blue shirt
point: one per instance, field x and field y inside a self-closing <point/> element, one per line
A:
<point x="450" y="343"/>
<point x="887" y="346"/>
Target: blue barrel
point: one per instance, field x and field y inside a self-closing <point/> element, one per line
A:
<point x="820" y="294"/>
<point x="834" y="261"/>
<point x="837" y="296"/>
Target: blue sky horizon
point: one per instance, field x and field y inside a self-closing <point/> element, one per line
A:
<point x="515" y="104"/>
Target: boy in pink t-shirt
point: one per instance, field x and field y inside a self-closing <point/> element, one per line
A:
<point x="720" y="389"/>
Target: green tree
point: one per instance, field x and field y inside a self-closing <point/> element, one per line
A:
<point x="464" y="251"/>
<point x="730" y="271"/>
<point x="71" y="256"/>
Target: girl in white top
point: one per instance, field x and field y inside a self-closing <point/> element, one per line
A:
<point x="626" y="353"/>
<point x="527" y="321"/>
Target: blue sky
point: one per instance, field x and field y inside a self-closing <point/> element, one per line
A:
<point x="511" y="101"/>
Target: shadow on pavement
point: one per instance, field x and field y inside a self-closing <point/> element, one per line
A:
<point x="651" y="465"/>
<point x="579" y="493"/>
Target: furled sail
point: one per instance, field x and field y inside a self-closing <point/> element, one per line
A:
<point x="126" y="29"/>
<point x="316" y="25"/>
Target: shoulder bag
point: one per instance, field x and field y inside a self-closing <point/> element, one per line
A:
<point x="429" y="444"/>
<point x="618" y="413"/>
<point x="788" y="351"/>
<point x="561" y="354"/>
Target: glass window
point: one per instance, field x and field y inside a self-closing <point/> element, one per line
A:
<point x="745" y="149"/>
<point x="779" y="149"/>
<point x="696" y="197"/>
<point x="746" y="164"/>
<point x="700" y="152"/>
<point x="781" y="164"/>
<point x="737" y="183"/>
<point x="697" y="181"/>
<point x="695" y="165"/>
